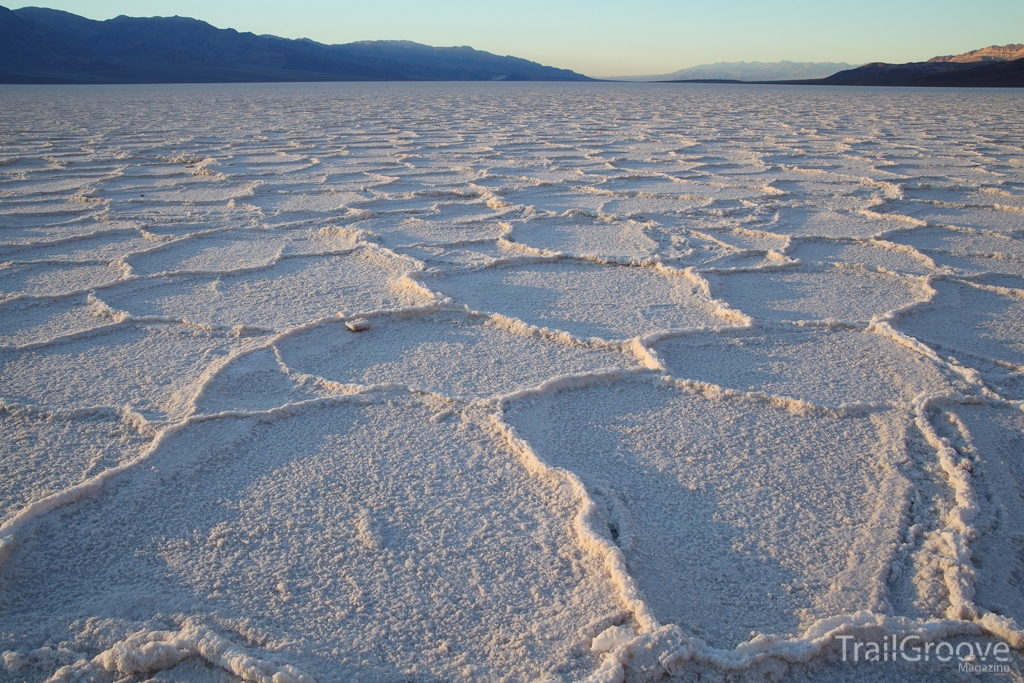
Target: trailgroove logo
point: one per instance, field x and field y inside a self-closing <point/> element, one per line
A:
<point x="972" y="657"/>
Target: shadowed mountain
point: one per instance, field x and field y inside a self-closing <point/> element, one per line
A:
<point x="987" y="74"/>
<point x="991" y="67"/>
<point x="40" y="45"/>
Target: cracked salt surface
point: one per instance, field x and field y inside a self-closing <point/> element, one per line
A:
<point x="506" y="382"/>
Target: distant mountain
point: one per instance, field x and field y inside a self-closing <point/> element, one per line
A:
<point x="748" y="71"/>
<point x="996" y="66"/>
<point x="993" y="66"/>
<point x="40" y="45"/>
<point x="992" y="53"/>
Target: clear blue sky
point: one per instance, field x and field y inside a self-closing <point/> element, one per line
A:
<point x="617" y="37"/>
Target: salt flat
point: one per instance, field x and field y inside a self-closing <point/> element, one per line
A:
<point x="511" y="382"/>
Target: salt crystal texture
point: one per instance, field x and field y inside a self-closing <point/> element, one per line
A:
<point x="650" y="381"/>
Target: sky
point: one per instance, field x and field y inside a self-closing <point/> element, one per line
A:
<point x="615" y="37"/>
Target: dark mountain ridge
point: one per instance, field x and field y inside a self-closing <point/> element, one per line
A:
<point x="991" y="74"/>
<point x="39" y="45"/>
<point x="996" y="66"/>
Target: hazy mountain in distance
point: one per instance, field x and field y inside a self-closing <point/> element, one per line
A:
<point x="40" y="45"/>
<point x="749" y="71"/>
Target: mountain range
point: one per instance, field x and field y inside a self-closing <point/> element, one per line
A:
<point x="40" y="45"/>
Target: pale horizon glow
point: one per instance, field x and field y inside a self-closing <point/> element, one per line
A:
<point x="605" y="38"/>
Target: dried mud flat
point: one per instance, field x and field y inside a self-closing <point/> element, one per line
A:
<point x="423" y="382"/>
